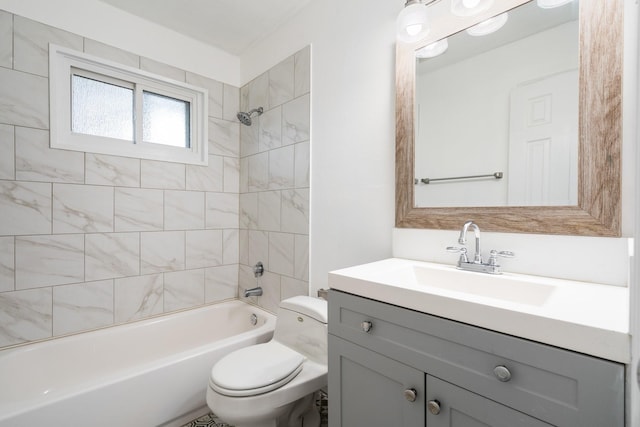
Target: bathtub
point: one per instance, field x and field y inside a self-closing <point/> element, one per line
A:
<point x="149" y="373"/>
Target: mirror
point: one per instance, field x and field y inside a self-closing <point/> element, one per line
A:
<point x="502" y="108"/>
<point x="590" y="199"/>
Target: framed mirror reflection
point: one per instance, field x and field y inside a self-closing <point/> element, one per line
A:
<point x="518" y="128"/>
<point x="501" y="108"/>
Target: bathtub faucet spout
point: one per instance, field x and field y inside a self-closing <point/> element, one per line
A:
<point x="253" y="292"/>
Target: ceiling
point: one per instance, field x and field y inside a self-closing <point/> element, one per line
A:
<point x="230" y="25"/>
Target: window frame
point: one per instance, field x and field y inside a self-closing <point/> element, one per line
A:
<point x="64" y="62"/>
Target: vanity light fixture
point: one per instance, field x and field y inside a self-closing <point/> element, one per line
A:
<point x="469" y="7"/>
<point x="550" y="4"/>
<point x="488" y="26"/>
<point x="413" y="21"/>
<point x="433" y="49"/>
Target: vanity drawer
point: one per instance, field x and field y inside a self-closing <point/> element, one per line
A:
<point x="555" y="385"/>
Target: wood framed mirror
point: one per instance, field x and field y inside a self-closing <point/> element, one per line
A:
<point x="598" y="209"/>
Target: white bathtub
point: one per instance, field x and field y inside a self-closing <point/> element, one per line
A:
<point x="148" y="373"/>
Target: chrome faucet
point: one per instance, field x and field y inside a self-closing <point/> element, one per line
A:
<point x="253" y="292"/>
<point x="477" y="265"/>
<point x="477" y="259"/>
<point x="258" y="271"/>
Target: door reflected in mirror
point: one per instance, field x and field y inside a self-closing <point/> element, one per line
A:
<point x="497" y="115"/>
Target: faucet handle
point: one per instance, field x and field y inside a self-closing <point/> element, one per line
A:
<point x="258" y="269"/>
<point x="493" y="256"/>
<point x="462" y="251"/>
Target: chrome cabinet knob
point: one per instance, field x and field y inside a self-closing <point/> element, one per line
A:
<point x="502" y="373"/>
<point x="410" y="394"/>
<point x="434" y="407"/>
<point x="366" y="326"/>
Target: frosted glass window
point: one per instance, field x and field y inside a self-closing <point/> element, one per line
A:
<point x="165" y="120"/>
<point x="101" y="109"/>
<point x="98" y="106"/>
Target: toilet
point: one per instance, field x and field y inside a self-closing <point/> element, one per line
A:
<point x="273" y="384"/>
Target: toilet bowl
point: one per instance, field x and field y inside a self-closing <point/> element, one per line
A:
<point x="273" y="384"/>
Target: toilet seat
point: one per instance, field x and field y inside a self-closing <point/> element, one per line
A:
<point x="255" y="369"/>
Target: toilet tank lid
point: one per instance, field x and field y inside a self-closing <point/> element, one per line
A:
<point x="309" y="306"/>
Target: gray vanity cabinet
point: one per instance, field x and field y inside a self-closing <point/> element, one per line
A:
<point x="392" y="366"/>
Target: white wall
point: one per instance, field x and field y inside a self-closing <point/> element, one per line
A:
<point x="107" y="24"/>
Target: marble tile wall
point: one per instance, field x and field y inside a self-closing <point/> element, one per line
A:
<point x="274" y="181"/>
<point x="89" y="240"/>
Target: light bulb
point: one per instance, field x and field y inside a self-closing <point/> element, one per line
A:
<point x="433" y="49"/>
<point x="413" y="30"/>
<point x="469" y="7"/>
<point x="470" y="4"/>
<point x="488" y="26"/>
<point x="550" y="4"/>
<point x="413" y="23"/>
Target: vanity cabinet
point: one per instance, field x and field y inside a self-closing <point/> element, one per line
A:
<point x="389" y="365"/>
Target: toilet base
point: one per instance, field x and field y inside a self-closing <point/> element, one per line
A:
<point x="301" y="413"/>
<point x="304" y="414"/>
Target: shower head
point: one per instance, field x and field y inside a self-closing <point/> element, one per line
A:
<point x="245" y="118"/>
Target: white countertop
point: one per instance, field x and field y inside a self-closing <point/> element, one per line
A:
<point x="585" y="317"/>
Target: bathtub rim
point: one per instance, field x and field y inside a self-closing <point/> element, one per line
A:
<point x="150" y="319"/>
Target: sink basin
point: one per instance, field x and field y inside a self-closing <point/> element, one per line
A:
<point x="502" y="287"/>
<point x="586" y="317"/>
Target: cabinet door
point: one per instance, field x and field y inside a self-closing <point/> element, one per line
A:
<point x="452" y="406"/>
<point x="368" y="389"/>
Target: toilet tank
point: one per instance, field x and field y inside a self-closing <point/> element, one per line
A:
<point x="302" y="326"/>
